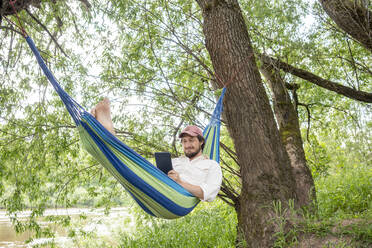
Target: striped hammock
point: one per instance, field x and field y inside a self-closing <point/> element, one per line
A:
<point x="153" y="190"/>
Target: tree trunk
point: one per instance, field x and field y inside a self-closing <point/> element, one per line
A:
<point x="265" y="166"/>
<point x="290" y="133"/>
<point x="6" y="8"/>
<point x="353" y="17"/>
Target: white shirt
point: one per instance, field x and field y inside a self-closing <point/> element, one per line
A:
<point x="200" y="171"/>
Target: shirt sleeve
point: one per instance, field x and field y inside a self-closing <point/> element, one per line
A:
<point x="212" y="184"/>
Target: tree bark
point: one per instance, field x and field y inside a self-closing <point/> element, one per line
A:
<point x="326" y="84"/>
<point x="290" y="133"/>
<point x="6" y="8"/>
<point x="353" y="17"/>
<point x="265" y="166"/>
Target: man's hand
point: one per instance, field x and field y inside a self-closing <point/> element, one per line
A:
<point x="174" y="175"/>
<point x="193" y="189"/>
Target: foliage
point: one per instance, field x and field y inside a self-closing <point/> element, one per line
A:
<point x="317" y="158"/>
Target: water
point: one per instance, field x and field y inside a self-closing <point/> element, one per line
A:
<point x="99" y="223"/>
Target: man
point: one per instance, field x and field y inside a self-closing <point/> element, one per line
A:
<point x="195" y="172"/>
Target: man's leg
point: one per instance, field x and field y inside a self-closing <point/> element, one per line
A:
<point x="102" y="113"/>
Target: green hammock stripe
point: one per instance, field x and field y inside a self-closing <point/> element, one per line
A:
<point x="208" y="147"/>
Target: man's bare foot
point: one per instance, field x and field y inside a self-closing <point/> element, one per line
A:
<point x="102" y="113"/>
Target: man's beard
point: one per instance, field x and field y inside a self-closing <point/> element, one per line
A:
<point x="193" y="154"/>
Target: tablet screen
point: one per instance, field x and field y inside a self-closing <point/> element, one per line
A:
<point x="163" y="161"/>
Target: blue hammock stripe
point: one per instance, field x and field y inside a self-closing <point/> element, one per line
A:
<point x="155" y="192"/>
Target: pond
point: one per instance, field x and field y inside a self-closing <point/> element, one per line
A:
<point x="97" y="221"/>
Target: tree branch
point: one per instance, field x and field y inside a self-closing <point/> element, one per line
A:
<point x="11" y="29"/>
<point x="46" y="29"/>
<point x="6" y="9"/>
<point x="352" y="17"/>
<point x="324" y="83"/>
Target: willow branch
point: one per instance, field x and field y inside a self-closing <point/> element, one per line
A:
<point x="46" y="29"/>
<point x="11" y="29"/>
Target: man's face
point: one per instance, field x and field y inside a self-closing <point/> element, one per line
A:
<point x="191" y="146"/>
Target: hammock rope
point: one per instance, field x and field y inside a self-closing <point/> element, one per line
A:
<point x="23" y="31"/>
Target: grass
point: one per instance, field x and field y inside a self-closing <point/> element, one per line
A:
<point x="344" y="213"/>
<point x="346" y="191"/>
<point x="345" y="204"/>
<point x="209" y="225"/>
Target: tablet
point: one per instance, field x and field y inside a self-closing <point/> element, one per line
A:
<point x="163" y="161"/>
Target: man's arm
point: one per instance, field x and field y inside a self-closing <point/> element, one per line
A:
<point x="193" y="189"/>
